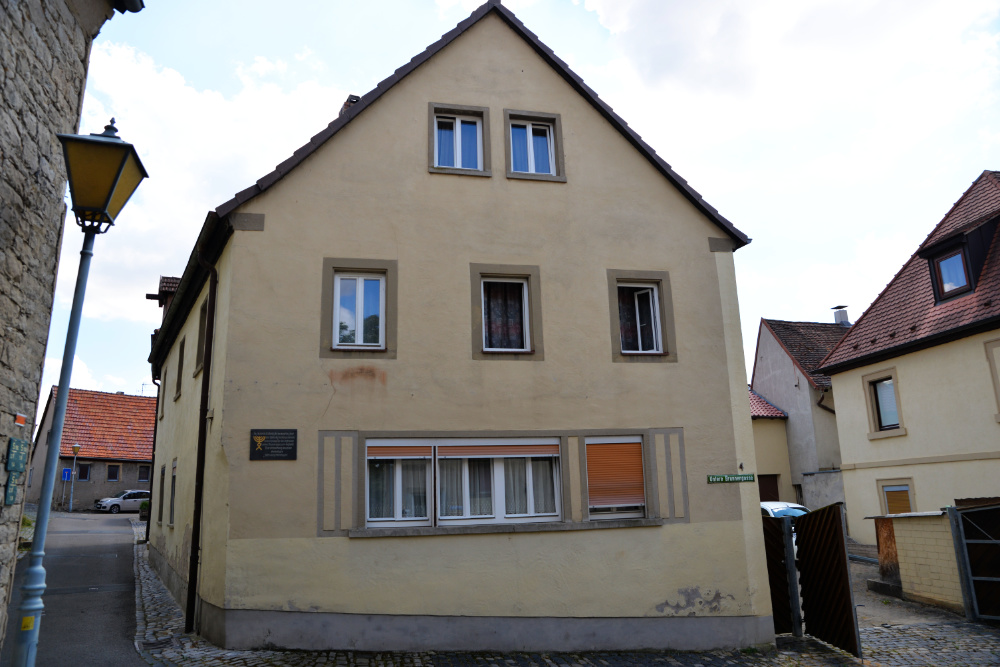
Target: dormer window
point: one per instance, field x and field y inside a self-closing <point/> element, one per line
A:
<point x="951" y="274"/>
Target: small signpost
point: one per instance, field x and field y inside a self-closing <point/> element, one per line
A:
<point x="729" y="479"/>
<point x="273" y="444"/>
<point x="67" y="474"/>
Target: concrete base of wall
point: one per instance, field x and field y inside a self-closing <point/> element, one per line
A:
<point x="885" y="588"/>
<point x="958" y="608"/>
<point x="246" y="629"/>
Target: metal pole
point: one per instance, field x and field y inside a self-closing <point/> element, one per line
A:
<point x="72" y="481"/>
<point x="29" y="613"/>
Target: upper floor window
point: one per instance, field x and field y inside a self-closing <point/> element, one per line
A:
<point x="885" y="418"/>
<point x="459" y="140"/>
<point x="359" y="300"/>
<point x="505" y="314"/>
<point x="638" y="316"/>
<point x="886" y="412"/>
<point x="534" y="145"/>
<point x="952" y="276"/>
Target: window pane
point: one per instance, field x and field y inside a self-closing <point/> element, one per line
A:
<point x="627" y="319"/>
<point x="381" y="487"/>
<point x="952" y="273"/>
<point x="515" y="486"/>
<point x="414" y="489"/>
<point x="543" y="486"/>
<point x="83" y="472"/>
<point x="519" y="147"/>
<point x="540" y="146"/>
<point x="446" y="142"/>
<point x="347" y="310"/>
<point x="480" y="487"/>
<point x="372" y="319"/>
<point x="646" y="321"/>
<point x="451" y="487"/>
<point x="885" y="395"/>
<point x="503" y="315"/>
<point x="470" y="145"/>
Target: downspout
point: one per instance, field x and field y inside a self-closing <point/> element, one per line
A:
<point x="199" y="476"/>
<point x="819" y="403"/>
<point x="152" y="463"/>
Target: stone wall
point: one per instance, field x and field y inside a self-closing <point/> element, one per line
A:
<point x="928" y="568"/>
<point x="44" y="50"/>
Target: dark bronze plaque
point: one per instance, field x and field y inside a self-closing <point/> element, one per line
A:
<point x="17" y="454"/>
<point x="273" y="444"/>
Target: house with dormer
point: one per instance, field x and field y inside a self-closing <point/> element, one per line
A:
<point x="916" y="377"/>
<point x="455" y="376"/>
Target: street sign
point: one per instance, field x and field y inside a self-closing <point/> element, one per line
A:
<point x="10" y="495"/>
<point x="729" y="479"/>
<point x="17" y="454"/>
<point x="66" y="475"/>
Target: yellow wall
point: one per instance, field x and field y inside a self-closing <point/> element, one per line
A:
<point x="771" y="446"/>
<point x="367" y="194"/>
<point x="947" y="404"/>
<point x="927" y="566"/>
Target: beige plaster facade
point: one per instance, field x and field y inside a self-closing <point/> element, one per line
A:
<point x="288" y="556"/>
<point x="771" y="447"/>
<point x="947" y="444"/>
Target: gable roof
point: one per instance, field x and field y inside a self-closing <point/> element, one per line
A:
<point x="807" y="343"/>
<point x="217" y="228"/>
<point x="761" y="408"/>
<point x="905" y="317"/>
<point x="106" y="426"/>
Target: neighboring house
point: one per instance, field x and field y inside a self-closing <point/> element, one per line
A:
<point x="457" y="373"/>
<point x="44" y="53"/>
<point x="115" y="434"/>
<point x="770" y="440"/>
<point x="785" y="373"/>
<point x="918" y="394"/>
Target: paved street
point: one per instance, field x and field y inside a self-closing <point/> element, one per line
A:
<point x="90" y="594"/>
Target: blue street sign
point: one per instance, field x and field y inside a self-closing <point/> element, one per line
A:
<point x="66" y="476"/>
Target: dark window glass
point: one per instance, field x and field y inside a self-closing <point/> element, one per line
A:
<point x="446" y="142"/>
<point x="143" y="473"/>
<point x="470" y="145"/>
<point x="519" y="147"/>
<point x="637" y="319"/>
<point x="885" y="404"/>
<point x="503" y="315"/>
<point x="951" y="271"/>
<point x="113" y="472"/>
<point x="83" y="472"/>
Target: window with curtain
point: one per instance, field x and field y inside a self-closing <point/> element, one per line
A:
<point x="397" y="484"/>
<point x="505" y="314"/>
<point x="458" y="142"/>
<point x="639" y="318"/>
<point x="359" y="310"/>
<point x="531" y="149"/>
<point x="615" y="482"/>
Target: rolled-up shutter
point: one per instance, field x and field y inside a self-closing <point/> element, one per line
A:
<point x="614" y="474"/>
<point x="897" y="500"/>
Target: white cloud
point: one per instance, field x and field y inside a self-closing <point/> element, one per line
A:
<point x="82" y="377"/>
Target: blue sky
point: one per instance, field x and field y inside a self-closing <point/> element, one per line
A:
<point x="835" y="133"/>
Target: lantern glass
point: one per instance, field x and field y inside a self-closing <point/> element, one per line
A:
<point x="132" y="174"/>
<point x="93" y="170"/>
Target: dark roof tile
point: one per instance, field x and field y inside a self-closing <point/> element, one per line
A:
<point x="807" y="343"/>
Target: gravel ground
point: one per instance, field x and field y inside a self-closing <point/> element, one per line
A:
<point x="875" y="610"/>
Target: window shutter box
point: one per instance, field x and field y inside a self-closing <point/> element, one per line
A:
<point x="492" y="451"/>
<point x="614" y="474"/>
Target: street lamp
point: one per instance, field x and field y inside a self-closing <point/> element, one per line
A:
<point x="72" y="477"/>
<point x="103" y="172"/>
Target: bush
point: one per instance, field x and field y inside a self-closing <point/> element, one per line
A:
<point x="26" y="522"/>
<point x="144" y="506"/>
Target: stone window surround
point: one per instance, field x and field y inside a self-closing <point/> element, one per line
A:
<point x="435" y="109"/>
<point x="880" y="484"/>
<point x="536" y="346"/>
<point x="993" y="357"/>
<point x="868" y="383"/>
<point x="554" y="121"/>
<point x="384" y="267"/>
<point x="668" y="340"/>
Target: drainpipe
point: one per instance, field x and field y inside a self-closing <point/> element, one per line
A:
<point x="819" y="403"/>
<point x="152" y="463"/>
<point x="199" y="476"/>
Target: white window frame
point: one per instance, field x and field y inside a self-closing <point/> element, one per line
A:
<point x="549" y="133"/>
<point x="525" y="308"/>
<point x="360" y="277"/>
<point x="458" y="120"/>
<point x="497" y="480"/>
<point x="657" y="329"/>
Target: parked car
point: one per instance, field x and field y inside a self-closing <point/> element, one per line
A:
<point x="779" y="509"/>
<point x="126" y="501"/>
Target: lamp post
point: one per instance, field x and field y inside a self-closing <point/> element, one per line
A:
<point x="72" y="477"/>
<point x="103" y="172"/>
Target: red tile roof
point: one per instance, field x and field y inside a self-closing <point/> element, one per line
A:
<point x="807" y="343"/>
<point x="905" y="317"/>
<point x="169" y="284"/>
<point x="761" y="408"/>
<point x="107" y="426"/>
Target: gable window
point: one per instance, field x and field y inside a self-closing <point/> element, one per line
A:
<point x="459" y="140"/>
<point x="639" y="318"/>
<point x="143" y="474"/>
<point x="114" y="472"/>
<point x="615" y="483"/>
<point x="952" y="276"/>
<point x="83" y="472"/>
<point x="884" y="412"/>
<point x="359" y="310"/>
<point x="477" y="481"/>
<point x="534" y="145"/>
<point x="506" y="311"/>
<point x="641" y="309"/>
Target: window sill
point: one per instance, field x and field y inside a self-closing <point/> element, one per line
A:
<point x="537" y="527"/>
<point x="176" y="396"/>
<point x="455" y="171"/>
<point x="644" y="354"/>
<point x="528" y="176"/>
<point x="197" y="370"/>
<point x="508" y="351"/>
<point x="891" y="433"/>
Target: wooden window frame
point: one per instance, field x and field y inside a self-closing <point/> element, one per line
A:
<point x="869" y="381"/>
<point x="943" y="294"/>
<point x="459" y="111"/>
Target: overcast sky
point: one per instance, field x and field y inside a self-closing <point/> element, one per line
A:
<point x="835" y="133"/>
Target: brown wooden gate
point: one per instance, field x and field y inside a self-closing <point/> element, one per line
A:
<point x="819" y="573"/>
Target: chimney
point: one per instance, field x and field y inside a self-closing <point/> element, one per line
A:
<point x="840" y="316"/>
<point x="348" y="103"/>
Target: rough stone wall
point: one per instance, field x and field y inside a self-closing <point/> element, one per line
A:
<point x="44" y="50"/>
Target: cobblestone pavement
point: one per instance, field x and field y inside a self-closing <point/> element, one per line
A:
<point x="160" y="639"/>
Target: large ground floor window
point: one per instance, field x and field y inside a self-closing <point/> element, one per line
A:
<point x="424" y="482"/>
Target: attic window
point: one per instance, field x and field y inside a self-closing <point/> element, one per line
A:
<point x="951" y="274"/>
<point x="458" y="140"/>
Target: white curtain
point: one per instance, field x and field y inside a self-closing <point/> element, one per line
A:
<point x="480" y="487"/>
<point x="516" y="485"/>
<point x="381" y="484"/>
<point x="543" y="485"/>
<point x="414" y="489"/>
<point x="451" y="487"/>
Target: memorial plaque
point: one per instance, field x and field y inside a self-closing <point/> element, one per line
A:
<point x="17" y="454"/>
<point x="273" y="444"/>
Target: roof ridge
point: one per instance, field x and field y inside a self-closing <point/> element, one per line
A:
<point x="954" y="207"/>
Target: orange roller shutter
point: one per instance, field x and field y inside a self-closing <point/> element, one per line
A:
<point x="614" y="474"/>
<point x="897" y="502"/>
<point x="398" y="452"/>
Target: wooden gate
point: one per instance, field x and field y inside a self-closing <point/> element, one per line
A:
<point x="820" y="567"/>
<point x="978" y="547"/>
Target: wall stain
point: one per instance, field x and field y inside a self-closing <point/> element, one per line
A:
<point x="691" y="602"/>
<point x="367" y="374"/>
